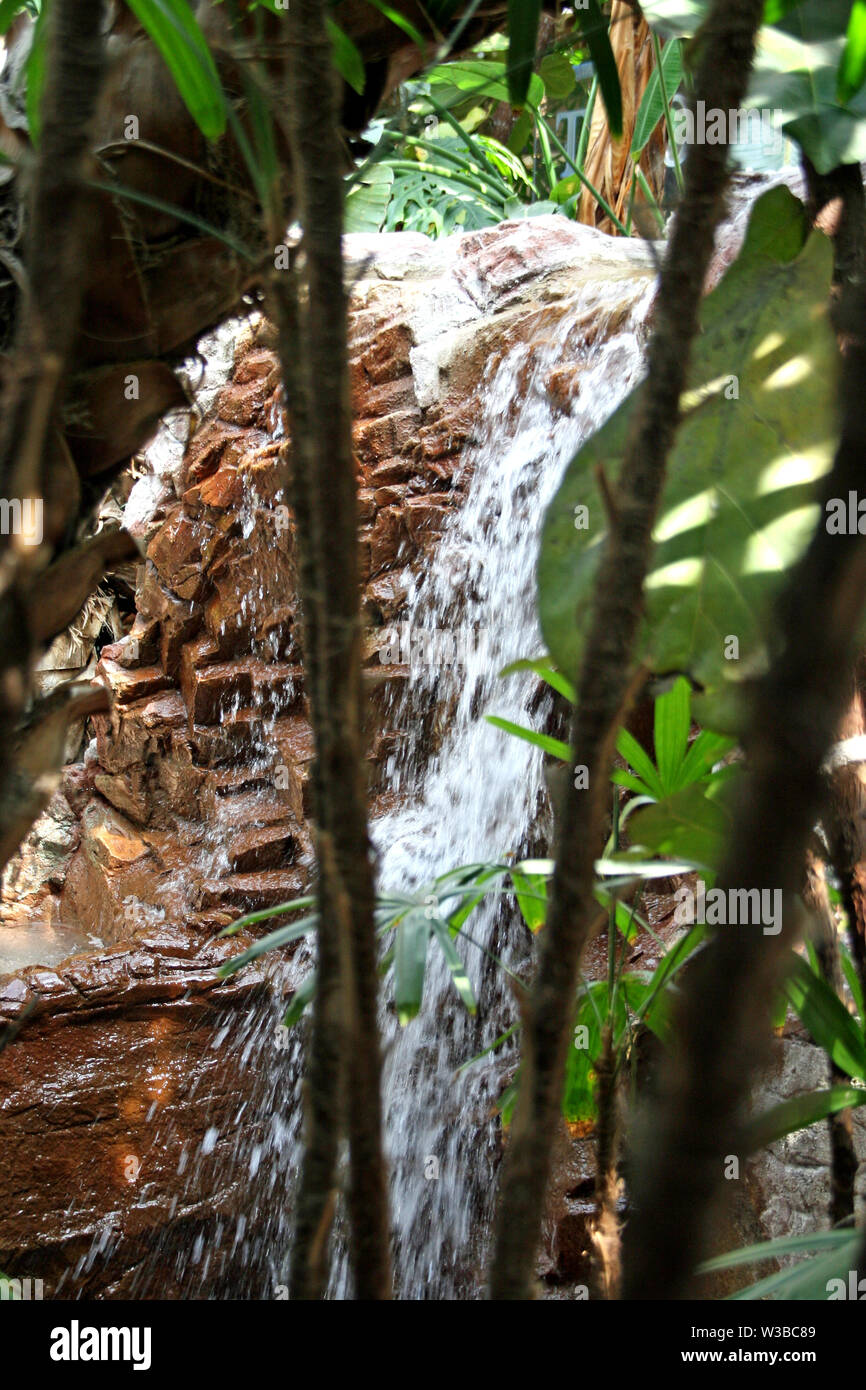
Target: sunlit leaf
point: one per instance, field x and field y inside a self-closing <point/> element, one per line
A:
<point x="758" y="432"/>
<point x="367" y="201"/>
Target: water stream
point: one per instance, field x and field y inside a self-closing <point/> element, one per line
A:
<point x="478" y="795"/>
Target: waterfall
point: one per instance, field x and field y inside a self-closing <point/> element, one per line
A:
<point x="478" y="795"/>
<point x="463" y="792"/>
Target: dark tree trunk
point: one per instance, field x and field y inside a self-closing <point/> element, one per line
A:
<point x="343" y="1083"/>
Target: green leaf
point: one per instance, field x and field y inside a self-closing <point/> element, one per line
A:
<point x="673" y="720"/>
<point x="543" y="667"/>
<point x="594" y="30"/>
<point x="706" y="750"/>
<point x="632" y="783"/>
<point x="531" y="893"/>
<point x="578" y="1101"/>
<point x="174" y="30"/>
<point x="778" y="1249"/>
<point x="482" y="80"/>
<point x="264" y="914"/>
<point x="34" y="72"/>
<point x="368" y="199"/>
<point x="774" y="10"/>
<point x="809" y="1280"/>
<point x="758" y="431"/>
<point x="347" y="59"/>
<point x="300" y="999"/>
<point x="555" y="746"/>
<point x="636" y="755"/>
<point x="461" y="980"/>
<point x="523" y="20"/>
<point x="410" y="963"/>
<point x="852" y="65"/>
<point x="651" y="108"/>
<point x="688" y="825"/>
<point x="272" y="942"/>
<point x="557" y="74"/>
<point x="799" y="1112"/>
<point x="826" y="1018"/>
<point x="800" y="71"/>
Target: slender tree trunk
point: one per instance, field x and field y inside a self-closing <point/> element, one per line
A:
<point x="727" y="48"/>
<point x="345" y="1065"/>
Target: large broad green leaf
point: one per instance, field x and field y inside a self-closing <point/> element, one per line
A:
<point x="480" y="80"/>
<point x="808" y="70"/>
<point x="431" y="202"/>
<point x="757" y="432"/>
<point x="557" y="74"/>
<point x="367" y="200"/>
<point x="578" y="1099"/>
<point x="800" y="65"/>
<point x="531" y="893"/>
<point x="690" y="826"/>
<point x="9" y="11"/>
<point x="174" y="29"/>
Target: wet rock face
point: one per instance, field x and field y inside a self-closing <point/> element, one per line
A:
<point x="107" y="1045"/>
<point x="192" y="803"/>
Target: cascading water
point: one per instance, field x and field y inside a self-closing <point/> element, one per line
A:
<point x="479" y="795"/>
